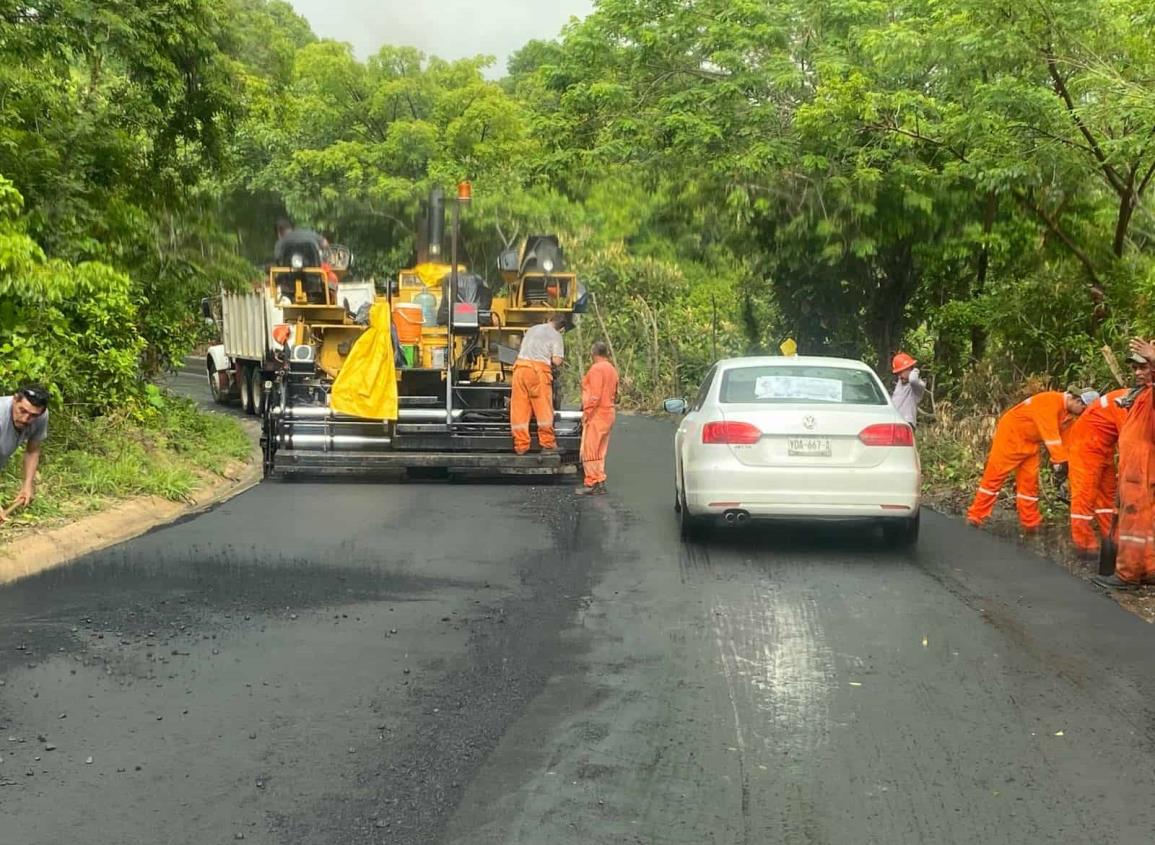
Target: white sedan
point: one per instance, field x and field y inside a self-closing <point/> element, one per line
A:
<point x="796" y="437"/>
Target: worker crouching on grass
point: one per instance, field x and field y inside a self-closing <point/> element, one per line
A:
<point x="1038" y="420"/>
<point x="1091" y="448"/>
<point x="23" y="421"/>
<point x="599" y="395"/>
<point x="1135" y="560"/>
<point x="531" y="395"/>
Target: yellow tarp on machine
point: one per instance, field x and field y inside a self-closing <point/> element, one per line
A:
<point x="431" y="273"/>
<point x="367" y="384"/>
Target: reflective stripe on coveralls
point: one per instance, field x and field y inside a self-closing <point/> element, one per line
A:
<point x="531" y="396"/>
<point x="1136" y="557"/>
<point x="599" y="392"/>
<point x="1015" y="449"/>
<point x="1091" y="446"/>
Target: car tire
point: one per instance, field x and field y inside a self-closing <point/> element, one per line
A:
<point x="902" y="534"/>
<point x="691" y="528"/>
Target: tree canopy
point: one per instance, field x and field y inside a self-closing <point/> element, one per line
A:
<point x="968" y="179"/>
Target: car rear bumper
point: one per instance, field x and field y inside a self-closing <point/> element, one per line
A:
<point x="887" y="491"/>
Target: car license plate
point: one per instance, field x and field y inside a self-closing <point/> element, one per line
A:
<point x="812" y="447"/>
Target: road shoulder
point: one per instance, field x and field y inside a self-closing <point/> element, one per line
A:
<point x="35" y="550"/>
<point x="1053" y="544"/>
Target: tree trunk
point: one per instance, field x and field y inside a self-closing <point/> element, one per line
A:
<point x="750" y="325"/>
<point x="978" y="332"/>
<point x="1123" y="222"/>
<point x="888" y="321"/>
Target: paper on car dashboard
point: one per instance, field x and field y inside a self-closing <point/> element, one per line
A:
<point x="798" y="387"/>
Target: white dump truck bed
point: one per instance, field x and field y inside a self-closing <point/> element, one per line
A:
<point x="247" y="321"/>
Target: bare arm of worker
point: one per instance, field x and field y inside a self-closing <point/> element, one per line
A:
<point x="31" y="464"/>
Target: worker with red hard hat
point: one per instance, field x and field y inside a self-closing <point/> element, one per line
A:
<point x="908" y="389"/>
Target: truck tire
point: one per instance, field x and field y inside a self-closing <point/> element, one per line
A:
<point x="256" y="390"/>
<point x="246" y="385"/>
<point x="220" y="394"/>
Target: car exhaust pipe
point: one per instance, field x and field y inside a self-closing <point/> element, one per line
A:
<point x="736" y="517"/>
<point x="743" y="517"/>
<point x="730" y="517"/>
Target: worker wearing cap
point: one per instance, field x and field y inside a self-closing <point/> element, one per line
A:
<point x="909" y="388"/>
<point x="23" y="422"/>
<point x="1039" y="420"/>
<point x="1135" y="560"/>
<point x="1091" y="449"/>
<point x="542" y="349"/>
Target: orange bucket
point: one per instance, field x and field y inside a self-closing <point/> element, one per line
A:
<point x="408" y="319"/>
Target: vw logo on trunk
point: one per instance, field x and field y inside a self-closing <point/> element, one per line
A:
<point x="808" y="422"/>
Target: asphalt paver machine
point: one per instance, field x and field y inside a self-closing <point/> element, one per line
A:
<point x="455" y="343"/>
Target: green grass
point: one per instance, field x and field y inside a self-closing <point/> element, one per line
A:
<point x="168" y="451"/>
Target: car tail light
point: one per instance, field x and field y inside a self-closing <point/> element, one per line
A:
<point x="887" y="434"/>
<point x="733" y="433"/>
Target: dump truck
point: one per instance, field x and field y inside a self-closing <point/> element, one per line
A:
<point x="243" y="362"/>
<point x="456" y="341"/>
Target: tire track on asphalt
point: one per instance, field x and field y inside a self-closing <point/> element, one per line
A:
<point x="779" y="673"/>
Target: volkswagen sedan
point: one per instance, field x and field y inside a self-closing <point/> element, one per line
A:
<point x="795" y="438"/>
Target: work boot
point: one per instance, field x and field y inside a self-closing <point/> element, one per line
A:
<point x="549" y="450"/>
<point x="598" y="489"/>
<point x="1114" y="582"/>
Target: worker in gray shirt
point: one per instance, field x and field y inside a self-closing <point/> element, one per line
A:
<point x="23" y="422"/>
<point x="908" y="389"/>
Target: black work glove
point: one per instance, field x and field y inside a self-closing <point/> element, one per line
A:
<point x="1060" y="471"/>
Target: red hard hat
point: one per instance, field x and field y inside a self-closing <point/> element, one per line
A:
<point x="901" y="362"/>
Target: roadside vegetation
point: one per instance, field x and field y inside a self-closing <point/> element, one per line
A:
<point x="965" y="179"/>
<point x="168" y="452"/>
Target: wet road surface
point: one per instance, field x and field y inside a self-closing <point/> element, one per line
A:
<point x="497" y="662"/>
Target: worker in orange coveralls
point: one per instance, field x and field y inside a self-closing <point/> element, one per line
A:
<point x="1091" y="449"/>
<point x="1040" y="419"/>
<point x="542" y="349"/>
<point x="599" y="393"/>
<point x="1135" y="561"/>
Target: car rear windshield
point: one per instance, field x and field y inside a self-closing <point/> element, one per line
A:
<point x="791" y="385"/>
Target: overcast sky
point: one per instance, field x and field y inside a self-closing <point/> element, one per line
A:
<point x="451" y="29"/>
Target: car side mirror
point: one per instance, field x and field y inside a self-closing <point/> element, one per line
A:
<point x="675" y="406"/>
